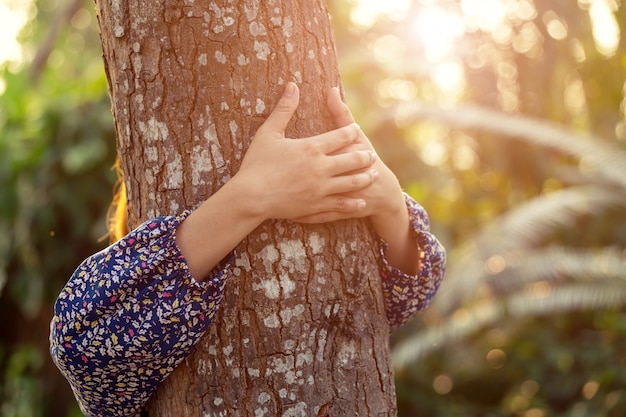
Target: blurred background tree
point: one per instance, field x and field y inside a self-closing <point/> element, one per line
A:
<point x="506" y="119"/>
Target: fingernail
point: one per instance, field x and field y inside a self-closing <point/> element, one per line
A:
<point x="372" y="157"/>
<point x="374" y="174"/>
<point x="362" y="204"/>
<point x="290" y="89"/>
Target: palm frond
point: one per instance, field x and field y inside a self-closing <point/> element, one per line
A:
<point x="558" y="264"/>
<point x="518" y="229"/>
<point x="534" y="301"/>
<point x="543" y="299"/>
<point x="604" y="157"/>
<point x="531" y="222"/>
<point x="459" y="325"/>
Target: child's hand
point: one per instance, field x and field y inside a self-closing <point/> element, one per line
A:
<point x="385" y="205"/>
<point x="383" y="197"/>
<point x="290" y="178"/>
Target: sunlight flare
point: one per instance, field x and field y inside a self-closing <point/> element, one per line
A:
<point x="606" y="32"/>
<point x="13" y="17"/>
<point x="438" y="30"/>
<point x="366" y="12"/>
<point x="486" y="15"/>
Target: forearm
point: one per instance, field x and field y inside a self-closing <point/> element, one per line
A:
<point x="213" y="230"/>
<point x="402" y="250"/>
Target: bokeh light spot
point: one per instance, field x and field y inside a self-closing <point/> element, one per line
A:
<point x="590" y="389"/>
<point x="495" y="264"/>
<point x="606" y="32"/>
<point x="496" y="358"/>
<point x="442" y="384"/>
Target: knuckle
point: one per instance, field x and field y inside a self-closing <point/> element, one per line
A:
<point x="357" y="159"/>
<point x="355" y="181"/>
<point x="313" y="147"/>
<point x="317" y="171"/>
<point x="347" y="134"/>
<point x="284" y="105"/>
<point x="360" y="180"/>
<point x="364" y="158"/>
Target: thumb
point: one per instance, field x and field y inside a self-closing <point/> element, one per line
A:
<point x="277" y="121"/>
<point x="340" y="111"/>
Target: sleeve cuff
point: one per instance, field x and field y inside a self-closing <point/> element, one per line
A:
<point x="405" y="295"/>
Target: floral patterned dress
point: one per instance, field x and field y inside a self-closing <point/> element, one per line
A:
<point x="132" y="312"/>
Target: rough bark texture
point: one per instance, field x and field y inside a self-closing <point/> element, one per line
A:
<point x="302" y="328"/>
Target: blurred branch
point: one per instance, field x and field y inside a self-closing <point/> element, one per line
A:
<point x="606" y="157"/>
<point x="47" y="45"/>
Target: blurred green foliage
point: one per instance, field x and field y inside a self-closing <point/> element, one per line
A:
<point x="487" y="123"/>
<point x="56" y="151"/>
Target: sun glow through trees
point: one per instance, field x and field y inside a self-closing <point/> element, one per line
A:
<point x="440" y="27"/>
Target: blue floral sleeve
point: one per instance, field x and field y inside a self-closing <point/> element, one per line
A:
<point x="406" y="295"/>
<point x="128" y="316"/>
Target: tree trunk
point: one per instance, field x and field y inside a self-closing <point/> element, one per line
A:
<point x="302" y="329"/>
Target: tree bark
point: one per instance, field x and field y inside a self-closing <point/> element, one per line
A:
<point x="302" y="328"/>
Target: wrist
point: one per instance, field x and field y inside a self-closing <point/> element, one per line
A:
<point x="392" y="213"/>
<point x="223" y="220"/>
<point x="246" y="198"/>
<point x="392" y="222"/>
